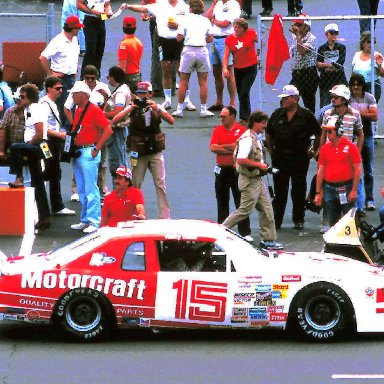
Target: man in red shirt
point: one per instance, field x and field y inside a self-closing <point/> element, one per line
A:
<point x="93" y="132"/>
<point x="130" y="53"/>
<point x="338" y="174"/>
<point x="125" y="202"/>
<point x="223" y="143"/>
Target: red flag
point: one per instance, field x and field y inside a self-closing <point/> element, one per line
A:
<point x="277" y="51"/>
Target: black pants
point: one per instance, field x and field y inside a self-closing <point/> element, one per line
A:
<point x="247" y="7"/>
<point x="298" y="177"/>
<point x="266" y="4"/>
<point x="306" y="80"/>
<point x="245" y="78"/>
<point x="53" y="174"/>
<point x="225" y="182"/>
<point x="94" y="32"/>
<point x="34" y="155"/>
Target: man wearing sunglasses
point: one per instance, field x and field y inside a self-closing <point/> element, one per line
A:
<point x="338" y="173"/>
<point x="330" y="62"/>
<point x="56" y="137"/>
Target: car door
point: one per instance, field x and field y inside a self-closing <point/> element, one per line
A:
<point x="193" y="284"/>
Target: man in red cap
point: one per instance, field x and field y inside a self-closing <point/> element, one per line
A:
<point x="125" y="202"/>
<point x="61" y="56"/>
<point x="130" y="52"/>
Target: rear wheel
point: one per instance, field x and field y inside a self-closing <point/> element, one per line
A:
<point x="322" y="311"/>
<point x="84" y="313"/>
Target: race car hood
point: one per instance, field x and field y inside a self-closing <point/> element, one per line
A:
<point x="323" y="264"/>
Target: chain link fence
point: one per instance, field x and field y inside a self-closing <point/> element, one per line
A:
<point x="314" y="96"/>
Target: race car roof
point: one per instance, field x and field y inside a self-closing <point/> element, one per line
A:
<point x="170" y="228"/>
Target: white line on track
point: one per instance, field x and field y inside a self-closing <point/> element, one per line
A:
<point x="354" y="376"/>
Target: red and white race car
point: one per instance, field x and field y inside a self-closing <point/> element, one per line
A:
<point x="190" y="274"/>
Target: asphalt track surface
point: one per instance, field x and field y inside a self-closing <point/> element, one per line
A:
<point x="37" y="354"/>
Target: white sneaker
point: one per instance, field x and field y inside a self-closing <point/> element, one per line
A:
<point x="178" y="113"/>
<point x="79" y="226"/>
<point x="248" y="238"/>
<point x="90" y="228"/>
<point x="75" y="197"/>
<point x="189" y="106"/>
<point x="324" y="229"/>
<point x="166" y="105"/>
<point x="64" y="212"/>
<point x="206" y="114"/>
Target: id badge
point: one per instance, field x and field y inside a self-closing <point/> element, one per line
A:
<point x="217" y="170"/>
<point x="134" y="157"/>
<point x="343" y="196"/>
<point x="67" y="143"/>
<point x="45" y="149"/>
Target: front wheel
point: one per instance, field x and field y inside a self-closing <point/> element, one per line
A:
<point x="322" y="311"/>
<point x="83" y="313"/>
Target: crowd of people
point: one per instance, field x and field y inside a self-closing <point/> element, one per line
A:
<point x="92" y="124"/>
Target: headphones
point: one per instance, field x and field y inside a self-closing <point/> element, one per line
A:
<point x="339" y="127"/>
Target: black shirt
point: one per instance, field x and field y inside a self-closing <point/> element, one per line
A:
<point x="291" y="140"/>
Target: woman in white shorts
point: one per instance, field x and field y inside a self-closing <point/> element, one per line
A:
<point x="196" y="31"/>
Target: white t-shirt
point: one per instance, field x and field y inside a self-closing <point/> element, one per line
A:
<point x="96" y="5"/>
<point x="245" y="145"/>
<point x="34" y="114"/>
<point x="96" y="97"/>
<point x="121" y="97"/>
<point x="229" y="11"/>
<point x="63" y="54"/>
<point x="163" y="11"/>
<point x="195" y="29"/>
<point x="53" y="116"/>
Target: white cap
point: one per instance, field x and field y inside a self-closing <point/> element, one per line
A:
<point x="331" y="27"/>
<point x="289" y="90"/>
<point x="341" y="90"/>
<point x="80" y="86"/>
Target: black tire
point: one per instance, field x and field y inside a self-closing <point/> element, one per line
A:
<point x="84" y="313"/>
<point x="321" y="311"/>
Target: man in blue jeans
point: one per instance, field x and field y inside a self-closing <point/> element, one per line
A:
<point x="93" y="132"/>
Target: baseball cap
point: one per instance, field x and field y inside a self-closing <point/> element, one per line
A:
<point x="331" y="27"/>
<point x="341" y="90"/>
<point x="80" y="86"/>
<point x="129" y="22"/>
<point x="124" y="171"/>
<point x="289" y="90"/>
<point x="73" y="22"/>
<point x="144" y="87"/>
<point x="303" y="19"/>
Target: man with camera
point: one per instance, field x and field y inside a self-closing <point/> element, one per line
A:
<point x="146" y="142"/>
<point x="91" y="130"/>
<point x="251" y="165"/>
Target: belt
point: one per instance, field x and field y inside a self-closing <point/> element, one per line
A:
<point x="220" y="37"/>
<point x="339" y="184"/>
<point x="65" y="75"/>
<point x="195" y="46"/>
<point x="85" y="146"/>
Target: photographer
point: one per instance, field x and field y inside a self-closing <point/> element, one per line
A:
<point x="146" y="142"/>
<point x="250" y="163"/>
